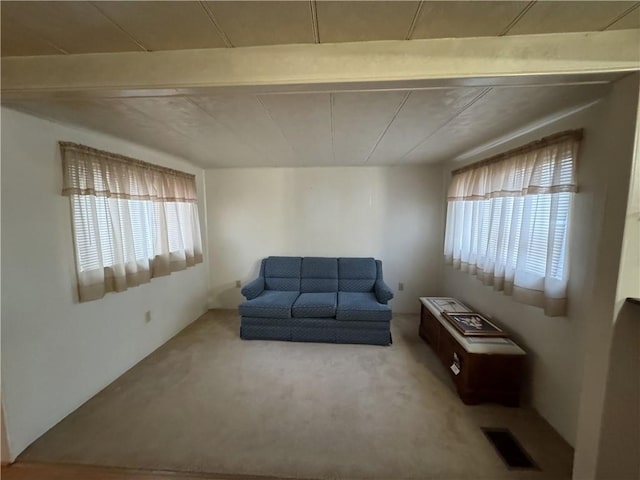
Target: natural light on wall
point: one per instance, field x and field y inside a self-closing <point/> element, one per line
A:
<point x="508" y="220"/>
<point x="132" y="220"/>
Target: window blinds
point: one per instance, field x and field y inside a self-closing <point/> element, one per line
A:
<point x="508" y="220"/>
<point x="132" y="220"/>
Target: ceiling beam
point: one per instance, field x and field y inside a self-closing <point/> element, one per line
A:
<point x="363" y="65"/>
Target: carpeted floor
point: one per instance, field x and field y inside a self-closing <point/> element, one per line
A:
<point x="208" y="401"/>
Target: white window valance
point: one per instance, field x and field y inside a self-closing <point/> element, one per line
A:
<point x="89" y="171"/>
<point x="132" y="220"/>
<point x="508" y="220"/>
<point x="546" y="166"/>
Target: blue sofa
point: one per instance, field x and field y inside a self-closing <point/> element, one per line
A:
<point x="317" y="299"/>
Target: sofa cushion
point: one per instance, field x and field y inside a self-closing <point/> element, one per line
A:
<point x="319" y="274"/>
<point x="361" y="306"/>
<point x="356" y="274"/>
<point x="315" y="305"/>
<point x="282" y="273"/>
<point x="269" y="304"/>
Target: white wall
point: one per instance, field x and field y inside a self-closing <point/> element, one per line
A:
<point x="555" y="345"/>
<point x="57" y="353"/>
<point x="4" y="444"/>
<point x="621" y="408"/>
<point x="611" y="334"/>
<point x="390" y="213"/>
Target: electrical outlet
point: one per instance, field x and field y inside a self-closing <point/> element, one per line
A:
<point x="400" y="286"/>
<point x="147" y="316"/>
<point x="238" y="284"/>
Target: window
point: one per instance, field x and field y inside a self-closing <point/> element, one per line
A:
<point x="508" y="220"/>
<point x="132" y="220"/>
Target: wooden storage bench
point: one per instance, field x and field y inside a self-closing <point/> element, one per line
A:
<point x="483" y="369"/>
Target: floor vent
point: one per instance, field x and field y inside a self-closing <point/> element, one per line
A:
<point x="509" y="449"/>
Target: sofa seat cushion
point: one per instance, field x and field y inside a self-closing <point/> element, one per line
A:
<point x="315" y="305"/>
<point x="269" y="304"/>
<point x="361" y="306"/>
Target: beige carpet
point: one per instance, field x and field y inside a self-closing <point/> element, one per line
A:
<point x="208" y="401"/>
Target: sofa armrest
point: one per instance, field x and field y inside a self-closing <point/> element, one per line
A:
<point x="383" y="292"/>
<point x="253" y="288"/>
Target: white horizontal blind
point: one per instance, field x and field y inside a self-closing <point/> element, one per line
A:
<point x="557" y="259"/>
<point x="493" y="228"/>
<point x="129" y="224"/>
<point x="508" y="223"/>
<point x="538" y="235"/>
<point x="142" y="227"/>
<point x="93" y="244"/>
<point x="136" y="234"/>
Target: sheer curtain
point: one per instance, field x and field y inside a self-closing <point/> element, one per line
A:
<point x="508" y="220"/>
<point x="132" y="220"/>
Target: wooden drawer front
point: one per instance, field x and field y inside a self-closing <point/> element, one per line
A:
<point x="496" y="372"/>
<point x="450" y="352"/>
<point x="430" y="327"/>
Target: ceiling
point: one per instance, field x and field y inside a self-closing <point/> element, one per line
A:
<point x="241" y="129"/>
<point x="318" y="129"/>
<point x="66" y="27"/>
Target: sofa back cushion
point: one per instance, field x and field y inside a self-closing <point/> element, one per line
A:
<point x="319" y="274"/>
<point x="282" y="273"/>
<point x="356" y="274"/>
